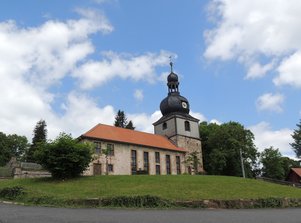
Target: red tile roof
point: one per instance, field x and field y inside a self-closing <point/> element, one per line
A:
<point x="297" y="171"/>
<point x="116" y="134"/>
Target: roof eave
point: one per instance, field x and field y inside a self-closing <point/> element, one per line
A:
<point x="181" y="150"/>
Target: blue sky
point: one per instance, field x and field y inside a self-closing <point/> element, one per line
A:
<point x="75" y="63"/>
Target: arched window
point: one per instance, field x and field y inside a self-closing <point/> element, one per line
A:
<point x="164" y="126"/>
<point x="187" y="126"/>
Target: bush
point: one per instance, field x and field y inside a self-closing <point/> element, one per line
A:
<point x="135" y="201"/>
<point x="268" y="203"/>
<point x="64" y="157"/>
<point x="11" y="192"/>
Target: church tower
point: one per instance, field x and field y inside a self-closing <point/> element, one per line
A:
<point x="176" y="123"/>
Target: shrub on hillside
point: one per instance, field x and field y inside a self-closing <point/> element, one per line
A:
<point x="11" y="192"/>
<point x="64" y="157"/>
<point x="148" y="201"/>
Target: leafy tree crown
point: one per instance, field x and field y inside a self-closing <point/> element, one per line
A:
<point x="64" y="157"/>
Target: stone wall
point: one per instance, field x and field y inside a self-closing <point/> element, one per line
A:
<point x="121" y="160"/>
<point x="170" y="129"/>
<point x="191" y="145"/>
<point x="19" y="173"/>
<point x="26" y="170"/>
<point x="194" y="128"/>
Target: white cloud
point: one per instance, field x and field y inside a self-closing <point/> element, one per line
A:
<point x="33" y="59"/>
<point x="97" y="21"/>
<point x="257" y="70"/>
<point x="21" y="106"/>
<point x="215" y="121"/>
<point x="290" y="71"/>
<point x="248" y="31"/>
<point x="138" y="94"/>
<point x="144" y="122"/>
<point x="270" y="102"/>
<point x="45" y="54"/>
<point x="81" y="114"/>
<point x="125" y="66"/>
<point x="163" y="76"/>
<point x="198" y="115"/>
<point x="265" y="137"/>
<point x="258" y="26"/>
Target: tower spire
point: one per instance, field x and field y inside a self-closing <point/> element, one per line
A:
<point x="171" y="64"/>
<point x="172" y="80"/>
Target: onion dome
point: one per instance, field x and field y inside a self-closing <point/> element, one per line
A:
<point x="174" y="102"/>
<point x="172" y="77"/>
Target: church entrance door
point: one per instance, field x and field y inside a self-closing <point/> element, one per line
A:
<point x="96" y="169"/>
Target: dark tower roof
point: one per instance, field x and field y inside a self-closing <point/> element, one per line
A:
<point x="172" y="77"/>
<point x="174" y="102"/>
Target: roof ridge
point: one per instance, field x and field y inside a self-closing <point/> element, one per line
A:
<point x="124" y="129"/>
<point x="92" y="129"/>
<point x="114" y="133"/>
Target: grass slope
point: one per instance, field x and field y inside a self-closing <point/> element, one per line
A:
<point x="176" y="188"/>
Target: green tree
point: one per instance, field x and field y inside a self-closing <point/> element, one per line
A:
<point x="296" y="145"/>
<point x="64" y="157"/>
<point x="130" y="125"/>
<point x="12" y="146"/>
<point x="192" y="160"/>
<point x="221" y="149"/>
<point x="121" y="121"/>
<point x="18" y="146"/>
<point x="107" y="152"/>
<point x="206" y="131"/>
<point x="39" y="136"/>
<point x="5" y="153"/>
<point x="287" y="164"/>
<point x="272" y="164"/>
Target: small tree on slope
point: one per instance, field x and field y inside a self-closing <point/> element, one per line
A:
<point x="64" y="157"/>
<point x="296" y="145"/>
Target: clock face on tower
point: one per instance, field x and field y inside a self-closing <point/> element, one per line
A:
<point x="184" y="104"/>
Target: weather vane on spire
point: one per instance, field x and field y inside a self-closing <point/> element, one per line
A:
<point x="171" y="64"/>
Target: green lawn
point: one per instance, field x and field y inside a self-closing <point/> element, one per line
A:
<point x="176" y="188"/>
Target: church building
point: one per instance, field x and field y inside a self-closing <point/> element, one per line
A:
<point x="120" y="151"/>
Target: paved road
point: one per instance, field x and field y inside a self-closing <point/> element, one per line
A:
<point x="16" y="214"/>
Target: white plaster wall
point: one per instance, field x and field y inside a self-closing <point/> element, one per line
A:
<point x="194" y="128"/>
<point x="169" y="131"/>
<point x="122" y="160"/>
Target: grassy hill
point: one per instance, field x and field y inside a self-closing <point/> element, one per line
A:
<point x="172" y="188"/>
